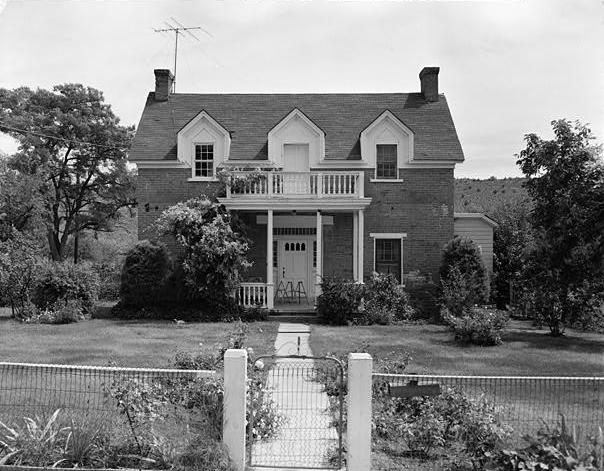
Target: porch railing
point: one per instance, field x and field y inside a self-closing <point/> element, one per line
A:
<point x="252" y="295"/>
<point x="296" y="184"/>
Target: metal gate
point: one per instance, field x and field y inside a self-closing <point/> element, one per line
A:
<point x="296" y="412"/>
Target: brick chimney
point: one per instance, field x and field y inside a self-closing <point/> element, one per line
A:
<point x="163" y="84"/>
<point x="429" y="80"/>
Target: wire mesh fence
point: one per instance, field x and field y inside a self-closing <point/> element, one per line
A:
<point x="520" y="405"/>
<point x="307" y="395"/>
<point x="126" y="416"/>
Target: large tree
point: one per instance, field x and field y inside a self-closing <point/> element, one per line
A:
<point x="71" y="140"/>
<point x="566" y="181"/>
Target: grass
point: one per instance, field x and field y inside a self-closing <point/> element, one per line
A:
<point x="128" y="343"/>
<point x="525" y="351"/>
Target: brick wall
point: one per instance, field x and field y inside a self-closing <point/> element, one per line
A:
<point x="422" y="207"/>
<point x="159" y="188"/>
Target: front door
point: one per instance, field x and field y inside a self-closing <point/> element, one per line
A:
<point x="293" y="270"/>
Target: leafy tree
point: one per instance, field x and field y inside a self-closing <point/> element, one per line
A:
<point x="463" y="276"/>
<point x="566" y="181"/>
<point x="71" y="140"/>
<point x="19" y="264"/>
<point x="512" y="240"/>
<point x="214" y="250"/>
<point x="21" y="201"/>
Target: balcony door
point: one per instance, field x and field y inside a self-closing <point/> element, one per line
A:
<point x="296" y="165"/>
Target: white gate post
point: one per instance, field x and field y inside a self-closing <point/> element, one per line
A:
<point x="358" y="433"/>
<point x="233" y="413"/>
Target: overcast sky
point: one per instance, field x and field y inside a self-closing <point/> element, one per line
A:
<point x="507" y="67"/>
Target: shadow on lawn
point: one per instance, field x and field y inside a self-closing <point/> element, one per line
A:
<point x="542" y="340"/>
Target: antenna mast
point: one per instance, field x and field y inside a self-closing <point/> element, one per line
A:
<point x="180" y="29"/>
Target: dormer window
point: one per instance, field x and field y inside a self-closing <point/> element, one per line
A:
<point x="386" y="165"/>
<point x="204" y="161"/>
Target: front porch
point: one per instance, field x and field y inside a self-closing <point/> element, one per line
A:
<point x="292" y="250"/>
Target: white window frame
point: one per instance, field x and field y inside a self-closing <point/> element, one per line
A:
<point x="375" y="170"/>
<point x="200" y="178"/>
<point x="389" y="235"/>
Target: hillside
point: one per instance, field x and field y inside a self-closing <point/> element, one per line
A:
<point x="485" y="196"/>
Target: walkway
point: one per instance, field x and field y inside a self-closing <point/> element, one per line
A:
<point x="307" y="438"/>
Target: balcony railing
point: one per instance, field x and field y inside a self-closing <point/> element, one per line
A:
<point x="242" y="184"/>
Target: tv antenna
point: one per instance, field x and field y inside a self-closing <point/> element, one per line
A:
<point x="179" y="29"/>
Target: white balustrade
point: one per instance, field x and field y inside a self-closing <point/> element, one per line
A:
<point x="251" y="295"/>
<point x="297" y="184"/>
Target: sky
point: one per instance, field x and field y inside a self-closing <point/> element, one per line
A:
<point x="507" y="68"/>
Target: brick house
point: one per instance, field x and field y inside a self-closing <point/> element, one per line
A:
<point x="343" y="184"/>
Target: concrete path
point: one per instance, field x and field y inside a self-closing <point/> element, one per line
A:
<point x="307" y="436"/>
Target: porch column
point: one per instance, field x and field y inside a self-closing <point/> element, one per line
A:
<point x="319" y="254"/>
<point x="355" y="246"/>
<point x="361" y="236"/>
<point x="270" y="286"/>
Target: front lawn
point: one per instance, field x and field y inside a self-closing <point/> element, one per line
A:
<point x="128" y="343"/>
<point x="525" y="351"/>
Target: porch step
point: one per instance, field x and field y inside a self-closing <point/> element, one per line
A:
<point x="294" y="317"/>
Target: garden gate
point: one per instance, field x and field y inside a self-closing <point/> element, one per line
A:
<point x="303" y="398"/>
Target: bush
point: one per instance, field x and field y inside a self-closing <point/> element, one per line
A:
<point x="204" y="454"/>
<point x="555" y="448"/>
<point x="63" y="311"/>
<point x="450" y="424"/>
<point x="214" y="248"/>
<point x="64" y="282"/>
<point x="109" y="279"/>
<point x="479" y="326"/>
<point x="339" y="301"/>
<point x="463" y="276"/>
<point x="18" y="272"/>
<point x="146" y="270"/>
<point x="385" y="301"/>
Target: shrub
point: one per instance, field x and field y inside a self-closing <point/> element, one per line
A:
<point x="479" y="326"/>
<point x="145" y="271"/>
<point x="450" y="424"/>
<point x="62" y="311"/>
<point x="463" y="276"/>
<point x="385" y="302"/>
<point x="64" y="282"/>
<point x="35" y="443"/>
<point x="205" y="454"/>
<point x="109" y="280"/>
<point x="214" y="249"/>
<point x="18" y="272"/>
<point x="558" y="448"/>
<point x="339" y="301"/>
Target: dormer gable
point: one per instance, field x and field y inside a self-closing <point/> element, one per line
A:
<point x="387" y="129"/>
<point x="296" y="128"/>
<point x="203" y="130"/>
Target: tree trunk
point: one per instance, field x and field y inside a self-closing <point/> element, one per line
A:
<point x="76" y="246"/>
<point x="56" y="249"/>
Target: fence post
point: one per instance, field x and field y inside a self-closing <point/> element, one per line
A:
<point x="233" y="414"/>
<point x="358" y="433"/>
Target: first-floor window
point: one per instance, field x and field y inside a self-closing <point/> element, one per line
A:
<point x="388" y="257"/>
<point x="204" y="160"/>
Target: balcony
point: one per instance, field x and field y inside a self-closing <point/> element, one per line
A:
<point x="303" y="185"/>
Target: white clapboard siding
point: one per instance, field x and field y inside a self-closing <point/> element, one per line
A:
<point x="481" y="232"/>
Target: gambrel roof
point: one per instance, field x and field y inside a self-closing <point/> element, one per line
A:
<point x="249" y="117"/>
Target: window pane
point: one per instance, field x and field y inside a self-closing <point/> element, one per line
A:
<point x="388" y="257"/>
<point x="386" y="161"/>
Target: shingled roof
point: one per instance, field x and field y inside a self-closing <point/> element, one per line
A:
<point x="249" y="118"/>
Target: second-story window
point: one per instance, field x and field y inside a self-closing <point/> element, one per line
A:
<point x="204" y="160"/>
<point x="386" y="166"/>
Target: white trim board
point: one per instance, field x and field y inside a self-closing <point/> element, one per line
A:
<point x="294" y="221"/>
